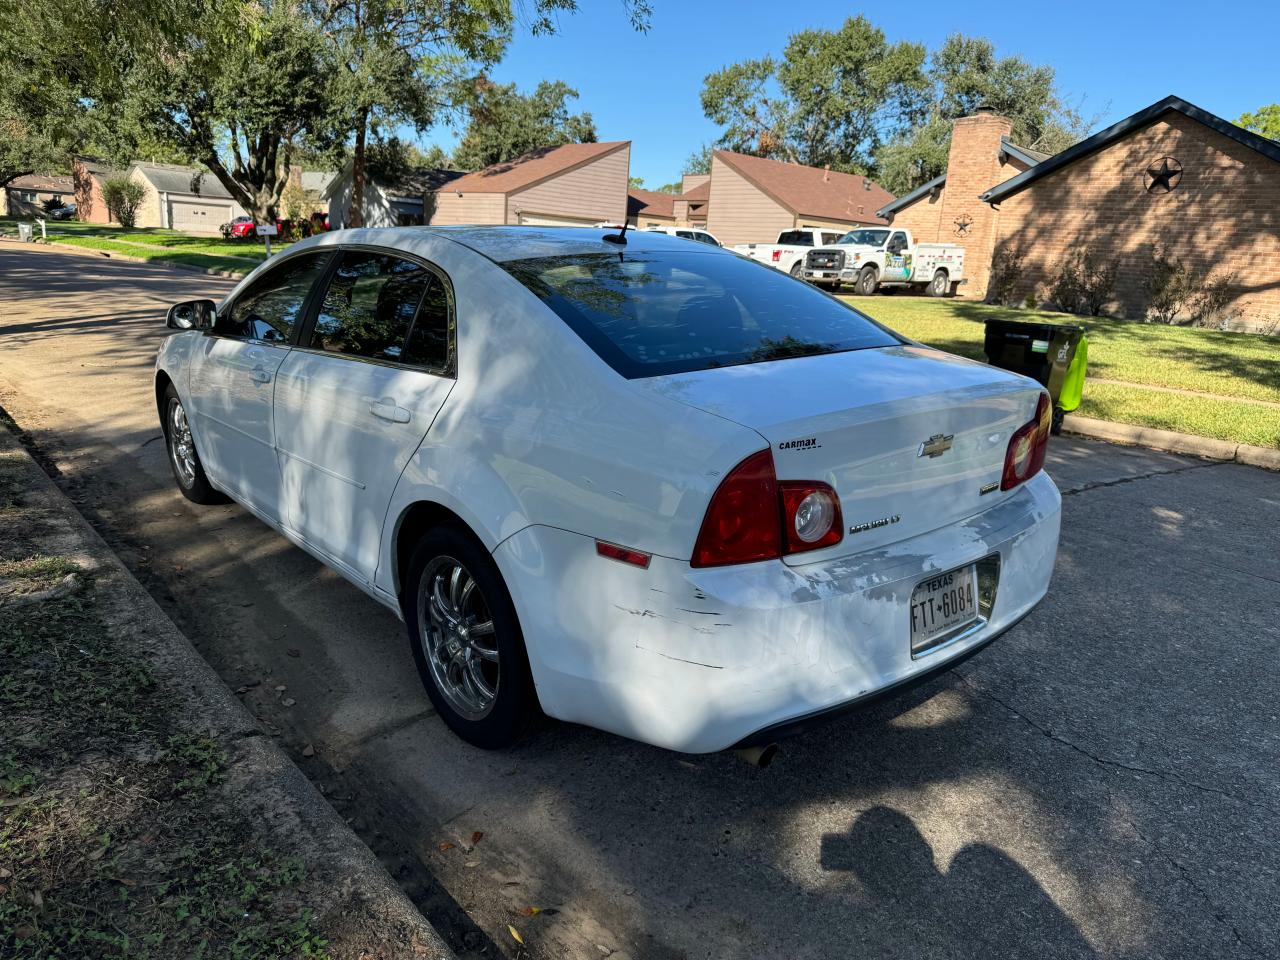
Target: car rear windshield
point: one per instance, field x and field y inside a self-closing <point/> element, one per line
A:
<point x="653" y="313"/>
<point x="795" y="238"/>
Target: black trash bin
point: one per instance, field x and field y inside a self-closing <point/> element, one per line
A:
<point x="1053" y="354"/>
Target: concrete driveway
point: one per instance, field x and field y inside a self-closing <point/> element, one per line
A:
<point x="1103" y="781"/>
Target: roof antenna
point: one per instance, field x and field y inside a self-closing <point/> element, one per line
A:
<point x="618" y="238"/>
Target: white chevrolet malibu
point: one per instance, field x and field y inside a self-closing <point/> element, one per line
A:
<point x="631" y="481"/>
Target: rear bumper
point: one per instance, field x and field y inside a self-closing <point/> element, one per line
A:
<point x="700" y="660"/>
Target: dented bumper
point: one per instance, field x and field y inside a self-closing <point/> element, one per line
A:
<point x="698" y="660"/>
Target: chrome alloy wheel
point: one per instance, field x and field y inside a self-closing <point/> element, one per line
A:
<point x="182" y="448"/>
<point x="458" y="641"/>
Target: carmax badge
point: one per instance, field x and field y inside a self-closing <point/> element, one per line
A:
<point x="936" y="445"/>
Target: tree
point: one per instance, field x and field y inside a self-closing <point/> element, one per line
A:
<point x="236" y="90"/>
<point x="401" y="60"/>
<point x="505" y="124"/>
<point x="851" y="99"/>
<point x="833" y="98"/>
<point x="700" y="160"/>
<point x="676" y="188"/>
<point x="123" y="197"/>
<point x="1265" y="121"/>
<point x="635" y="183"/>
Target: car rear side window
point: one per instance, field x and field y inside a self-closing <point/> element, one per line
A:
<point x="370" y="305"/>
<point x="272" y="305"/>
<point x="653" y="313"/>
<point x="430" y="340"/>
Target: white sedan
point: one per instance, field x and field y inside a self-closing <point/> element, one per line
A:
<point x="632" y="482"/>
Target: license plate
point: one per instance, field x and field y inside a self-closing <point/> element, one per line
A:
<point x="942" y="604"/>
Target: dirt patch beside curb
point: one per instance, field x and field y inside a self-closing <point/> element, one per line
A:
<point x="143" y="811"/>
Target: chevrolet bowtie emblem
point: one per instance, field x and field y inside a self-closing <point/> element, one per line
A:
<point x="936" y="445"/>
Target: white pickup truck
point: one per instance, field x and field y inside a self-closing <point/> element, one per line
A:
<point x="873" y="257"/>
<point x="788" y="253"/>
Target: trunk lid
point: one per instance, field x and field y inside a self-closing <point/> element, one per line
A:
<point x="863" y="421"/>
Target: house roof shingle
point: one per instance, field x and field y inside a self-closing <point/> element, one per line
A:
<point x="534" y="167"/>
<point x="43" y="184"/>
<point x="168" y="178"/>
<point x="812" y="191"/>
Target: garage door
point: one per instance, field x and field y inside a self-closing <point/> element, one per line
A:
<point x="546" y="220"/>
<point x="198" y="217"/>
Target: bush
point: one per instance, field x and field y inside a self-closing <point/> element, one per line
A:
<point x="1174" y="290"/>
<point x="53" y="203"/>
<point x="1006" y="274"/>
<point x="123" y="198"/>
<point x="1082" y="284"/>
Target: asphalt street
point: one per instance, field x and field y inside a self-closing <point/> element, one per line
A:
<point x="1104" y="781"/>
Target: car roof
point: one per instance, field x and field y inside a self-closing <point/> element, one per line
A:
<point x="504" y="243"/>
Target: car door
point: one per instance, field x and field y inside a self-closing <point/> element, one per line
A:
<point x="232" y="384"/>
<point x="355" y="398"/>
<point x="897" y="262"/>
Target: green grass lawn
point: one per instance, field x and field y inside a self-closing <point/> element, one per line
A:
<point x="156" y="245"/>
<point x="1232" y="366"/>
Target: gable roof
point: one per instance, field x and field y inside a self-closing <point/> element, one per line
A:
<point x="97" y="168"/>
<point x="699" y="194"/>
<point x="655" y="203"/>
<point x="812" y="191"/>
<point x="42" y="184"/>
<point x="534" y="167"/>
<point x="168" y="178"/>
<point x="1104" y="138"/>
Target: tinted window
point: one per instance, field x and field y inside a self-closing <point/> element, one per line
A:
<point x="684" y="234"/>
<point x="369" y="306"/>
<point x="648" y="314"/>
<point x="830" y="238"/>
<point x="706" y="238"/>
<point x="432" y="333"/>
<point x="897" y="243"/>
<point x="795" y="238"/>
<point x="271" y="307"/>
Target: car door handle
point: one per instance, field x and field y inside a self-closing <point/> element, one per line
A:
<point x="259" y="375"/>
<point x="386" y="409"/>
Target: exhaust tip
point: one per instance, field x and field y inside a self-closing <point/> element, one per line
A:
<point x="758" y="756"/>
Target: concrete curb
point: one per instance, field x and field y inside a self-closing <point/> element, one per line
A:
<point x="1173" y="442"/>
<point x="110" y="255"/>
<point x="358" y="905"/>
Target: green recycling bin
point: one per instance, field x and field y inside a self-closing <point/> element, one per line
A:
<point x="1053" y="354"/>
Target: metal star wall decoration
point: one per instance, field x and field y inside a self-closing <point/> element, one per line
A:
<point x="963" y="223"/>
<point x="1164" y="174"/>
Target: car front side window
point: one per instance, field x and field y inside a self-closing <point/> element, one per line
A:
<point x="369" y="306"/>
<point x="272" y="306"/>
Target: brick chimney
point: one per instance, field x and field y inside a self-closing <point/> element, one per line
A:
<point x="973" y="167"/>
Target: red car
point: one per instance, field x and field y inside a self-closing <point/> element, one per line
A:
<point x="241" y="228"/>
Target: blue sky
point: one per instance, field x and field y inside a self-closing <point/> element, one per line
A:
<point x="1117" y="57"/>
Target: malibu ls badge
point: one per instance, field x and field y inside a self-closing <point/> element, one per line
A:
<point x="936" y="445"/>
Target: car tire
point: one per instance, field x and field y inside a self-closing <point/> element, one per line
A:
<point x="797" y="270"/>
<point x="479" y="682"/>
<point x="184" y="459"/>
<point x="940" y="285"/>
<point x="868" y="281"/>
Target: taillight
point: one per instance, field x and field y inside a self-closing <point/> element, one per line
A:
<point x="1027" y="447"/>
<point x="754" y="517"/>
<point x="776" y="255"/>
<point x="742" y="522"/>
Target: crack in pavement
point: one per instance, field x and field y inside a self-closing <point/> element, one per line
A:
<point x="1168" y="777"/>
<point x="1144" y="476"/>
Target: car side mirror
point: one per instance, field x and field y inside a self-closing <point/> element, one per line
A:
<point x="191" y="315"/>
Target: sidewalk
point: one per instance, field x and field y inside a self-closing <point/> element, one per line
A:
<point x="143" y="811"/>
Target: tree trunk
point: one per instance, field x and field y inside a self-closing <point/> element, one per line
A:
<point x="8" y="176"/>
<point x="355" y="217"/>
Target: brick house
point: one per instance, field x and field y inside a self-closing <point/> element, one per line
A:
<point x="1171" y="175"/>
<point x="89" y="174"/>
<point x="751" y="199"/>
